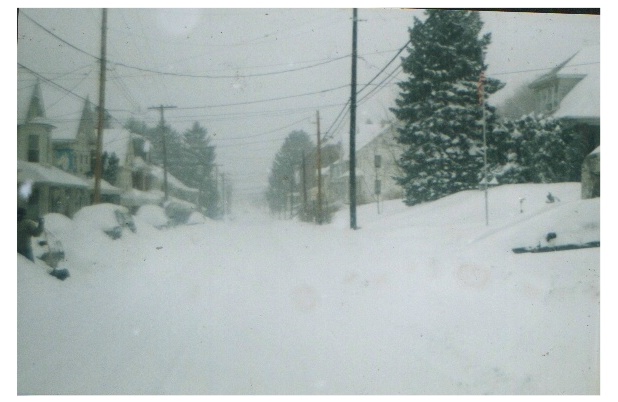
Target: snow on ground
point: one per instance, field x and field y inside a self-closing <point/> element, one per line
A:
<point x="420" y="300"/>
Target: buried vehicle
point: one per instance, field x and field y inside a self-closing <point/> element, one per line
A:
<point x="48" y="248"/>
<point x="111" y="219"/>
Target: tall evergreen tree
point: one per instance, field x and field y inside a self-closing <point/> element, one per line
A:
<point x="197" y="165"/>
<point x="287" y="163"/>
<point x="439" y="105"/>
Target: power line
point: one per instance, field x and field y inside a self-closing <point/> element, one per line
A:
<point x="379" y="86"/>
<point x="168" y="73"/>
<point x="385" y="67"/>
<point x="70" y="92"/>
<point x="265" y="100"/>
<point x="58" y="37"/>
<point x="329" y="133"/>
<point x="249" y="115"/>
<point x="266" y="132"/>
<point x="209" y="76"/>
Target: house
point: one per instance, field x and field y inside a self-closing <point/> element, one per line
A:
<point x="377" y="153"/>
<point x="41" y="187"/>
<point x="571" y="92"/>
<point x="74" y="139"/>
<point x="377" y="159"/>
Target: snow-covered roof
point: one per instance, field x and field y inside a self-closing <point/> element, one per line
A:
<point x="39" y="174"/>
<point x="179" y="202"/>
<point x="136" y="197"/>
<point x="106" y="187"/>
<point x="118" y="141"/>
<point x="583" y="101"/>
<point x="366" y="132"/>
<point x="157" y="172"/>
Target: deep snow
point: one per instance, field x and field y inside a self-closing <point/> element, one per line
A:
<point x="420" y="300"/>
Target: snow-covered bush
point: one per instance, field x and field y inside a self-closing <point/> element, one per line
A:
<point x="536" y="149"/>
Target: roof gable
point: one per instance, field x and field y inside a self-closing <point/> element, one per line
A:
<point x="30" y="103"/>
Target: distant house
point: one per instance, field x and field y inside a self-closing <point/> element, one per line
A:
<point x="377" y="154"/>
<point x="41" y="187"/>
<point x="377" y="159"/>
<point x="571" y="92"/>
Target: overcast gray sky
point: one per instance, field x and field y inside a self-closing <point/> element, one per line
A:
<point x="229" y="68"/>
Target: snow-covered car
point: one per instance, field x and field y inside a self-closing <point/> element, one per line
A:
<point x="48" y="247"/>
<point x="179" y="211"/>
<point x="153" y="215"/>
<point x="111" y="219"/>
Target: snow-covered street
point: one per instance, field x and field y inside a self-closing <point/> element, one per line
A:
<point x="420" y="300"/>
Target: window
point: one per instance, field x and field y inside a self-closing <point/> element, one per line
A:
<point x="33" y="148"/>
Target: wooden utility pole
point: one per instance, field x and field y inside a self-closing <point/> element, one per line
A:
<point x="223" y="202"/>
<point x="304" y="167"/>
<point x="292" y="185"/>
<point x="319" y="170"/>
<point x="161" y="108"/>
<point x="353" y="126"/>
<point x="98" y="170"/>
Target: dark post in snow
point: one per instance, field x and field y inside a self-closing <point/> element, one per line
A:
<point x="98" y="169"/>
<point x="292" y="185"/>
<point x="319" y="170"/>
<point x="304" y="173"/>
<point x="162" y="125"/>
<point x="353" y="127"/>
<point x="223" y="202"/>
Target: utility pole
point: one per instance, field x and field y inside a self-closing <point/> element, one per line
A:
<point x="377" y="163"/>
<point x="304" y="167"/>
<point x="353" y="126"/>
<point x="319" y="170"/>
<point x="98" y="170"/>
<point x="161" y="108"/>
<point x="292" y="185"/>
<point x="223" y="194"/>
